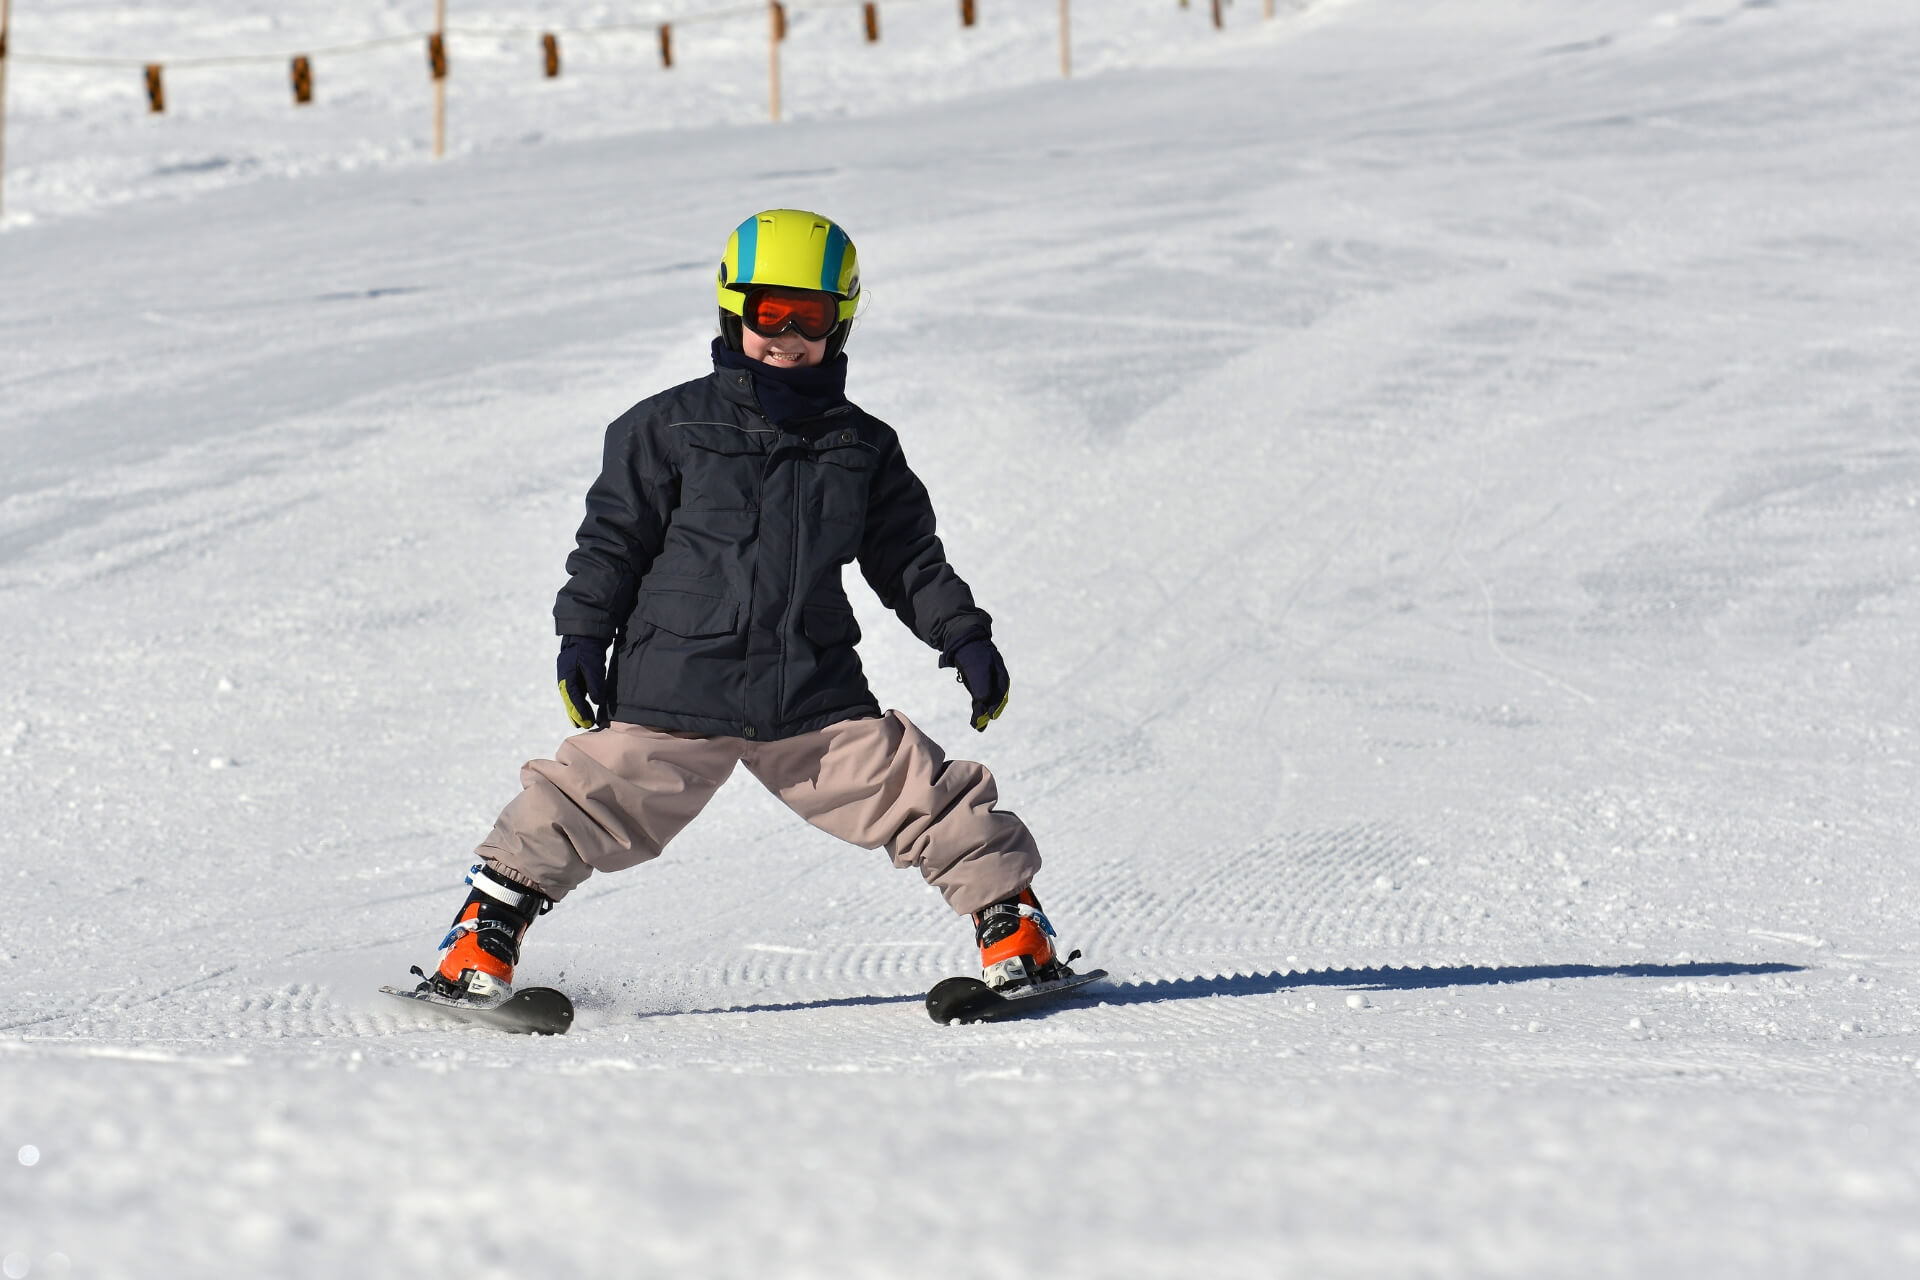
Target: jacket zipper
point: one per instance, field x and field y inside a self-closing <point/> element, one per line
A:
<point x="793" y="572"/>
<point x="793" y="587"/>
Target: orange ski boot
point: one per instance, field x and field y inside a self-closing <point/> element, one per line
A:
<point x="478" y="954"/>
<point x="1016" y="944"/>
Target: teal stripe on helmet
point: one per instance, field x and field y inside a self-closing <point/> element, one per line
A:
<point x="836" y="255"/>
<point x="749" y="233"/>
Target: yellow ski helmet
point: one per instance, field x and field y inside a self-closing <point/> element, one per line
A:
<point x="789" y="249"/>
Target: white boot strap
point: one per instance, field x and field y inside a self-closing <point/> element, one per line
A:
<point x="482" y="877"/>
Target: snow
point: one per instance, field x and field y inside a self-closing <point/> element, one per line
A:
<point x="1445" y="476"/>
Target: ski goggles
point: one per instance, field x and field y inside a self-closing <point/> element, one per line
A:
<point x="769" y="311"/>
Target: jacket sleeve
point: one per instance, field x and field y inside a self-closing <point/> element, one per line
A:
<point x="627" y="510"/>
<point x="904" y="563"/>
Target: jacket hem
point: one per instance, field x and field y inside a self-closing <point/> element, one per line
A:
<point x="679" y="722"/>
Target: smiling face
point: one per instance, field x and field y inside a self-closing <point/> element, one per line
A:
<point x="784" y="350"/>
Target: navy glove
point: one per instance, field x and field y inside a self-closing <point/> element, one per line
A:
<point x="984" y="674"/>
<point x="583" y="680"/>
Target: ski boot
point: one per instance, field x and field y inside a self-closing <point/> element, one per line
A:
<point x="1017" y="945"/>
<point x="478" y="954"/>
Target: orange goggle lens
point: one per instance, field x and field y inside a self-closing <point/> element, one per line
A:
<point x="771" y="311"/>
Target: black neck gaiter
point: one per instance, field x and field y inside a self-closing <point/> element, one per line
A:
<point x="789" y="397"/>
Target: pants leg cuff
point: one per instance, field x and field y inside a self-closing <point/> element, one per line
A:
<point x="517" y="878"/>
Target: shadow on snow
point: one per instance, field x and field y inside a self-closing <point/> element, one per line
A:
<point x="1392" y="979"/>
<point x="1387" y="978"/>
<point x="845" y="1002"/>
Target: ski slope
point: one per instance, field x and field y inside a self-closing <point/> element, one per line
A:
<point x="1446" y="479"/>
<point x="83" y="137"/>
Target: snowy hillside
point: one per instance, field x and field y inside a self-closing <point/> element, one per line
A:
<point x="1445" y="474"/>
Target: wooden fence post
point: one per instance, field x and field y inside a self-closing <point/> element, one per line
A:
<point x="966" y="13"/>
<point x="302" y="73"/>
<point x="872" y="16"/>
<point x="6" y="17"/>
<point x="156" y="90"/>
<point x="776" y="32"/>
<point x="437" y="61"/>
<point x="550" y="48"/>
<point x="1066" y="43"/>
<point x="666" y="45"/>
<point x="1217" y="24"/>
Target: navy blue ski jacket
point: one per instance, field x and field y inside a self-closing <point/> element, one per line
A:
<point x="711" y="554"/>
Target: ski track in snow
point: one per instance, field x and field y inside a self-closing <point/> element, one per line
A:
<point x="1445" y="478"/>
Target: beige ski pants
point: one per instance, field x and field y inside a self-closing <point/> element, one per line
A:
<point x="613" y="798"/>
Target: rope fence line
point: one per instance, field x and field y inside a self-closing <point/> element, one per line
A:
<point x="218" y="59"/>
<point x="300" y="63"/>
<point x="416" y="37"/>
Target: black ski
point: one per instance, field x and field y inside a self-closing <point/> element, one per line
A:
<point x="971" y="1000"/>
<point x="538" y="1011"/>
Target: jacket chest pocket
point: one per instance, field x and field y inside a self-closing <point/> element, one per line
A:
<point x="716" y="477"/>
<point x="841" y="472"/>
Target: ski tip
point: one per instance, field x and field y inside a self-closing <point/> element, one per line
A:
<point x="952" y="999"/>
<point x="971" y="1000"/>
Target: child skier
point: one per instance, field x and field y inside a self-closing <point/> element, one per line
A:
<point x="710" y="561"/>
